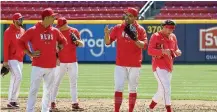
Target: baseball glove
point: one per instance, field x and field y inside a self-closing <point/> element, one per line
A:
<point x="130" y="30"/>
<point x="4" y="71"/>
<point x="73" y="37"/>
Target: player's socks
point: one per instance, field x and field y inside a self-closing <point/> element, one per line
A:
<point x="168" y="108"/>
<point x="132" y="101"/>
<point x="118" y="100"/>
<point x="152" y="105"/>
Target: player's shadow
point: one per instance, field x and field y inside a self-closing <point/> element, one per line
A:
<point x="64" y="111"/>
<point x="6" y="109"/>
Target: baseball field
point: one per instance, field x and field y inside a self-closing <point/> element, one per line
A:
<point x="194" y="89"/>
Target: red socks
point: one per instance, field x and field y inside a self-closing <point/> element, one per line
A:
<point x="168" y="107"/>
<point x="118" y="100"/>
<point x="152" y="105"/>
<point x="132" y="101"/>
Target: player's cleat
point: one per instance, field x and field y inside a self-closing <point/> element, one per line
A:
<point x="53" y="107"/>
<point x="13" y="105"/>
<point x="75" y="107"/>
<point x="149" y="110"/>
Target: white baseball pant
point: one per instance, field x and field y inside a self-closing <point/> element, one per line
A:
<point x="16" y="77"/>
<point x="37" y="74"/>
<point x="72" y="70"/>
<point x="164" y="86"/>
<point x="131" y="74"/>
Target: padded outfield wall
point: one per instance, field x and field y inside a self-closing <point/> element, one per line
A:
<point x="196" y="38"/>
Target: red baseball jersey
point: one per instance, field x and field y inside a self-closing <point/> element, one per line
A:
<point x="127" y="52"/>
<point x="158" y="42"/>
<point x="12" y="51"/>
<point x="68" y="53"/>
<point x="44" y="40"/>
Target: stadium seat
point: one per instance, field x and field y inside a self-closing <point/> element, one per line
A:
<point x="188" y="10"/>
<point x="91" y="9"/>
<point x="60" y="4"/>
<point x="4" y="4"/>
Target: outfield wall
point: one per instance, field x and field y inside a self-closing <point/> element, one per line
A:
<point x="196" y="38"/>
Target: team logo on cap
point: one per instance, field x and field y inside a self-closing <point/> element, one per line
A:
<point x="208" y="39"/>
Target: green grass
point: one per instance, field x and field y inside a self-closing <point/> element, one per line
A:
<point x="189" y="82"/>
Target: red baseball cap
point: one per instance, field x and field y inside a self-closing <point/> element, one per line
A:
<point x="132" y="11"/>
<point x="48" y="12"/>
<point x="61" y="21"/>
<point x="17" y="16"/>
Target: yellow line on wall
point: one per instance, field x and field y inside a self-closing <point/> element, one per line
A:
<point x="190" y="21"/>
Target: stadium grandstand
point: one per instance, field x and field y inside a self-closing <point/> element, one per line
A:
<point x="111" y="10"/>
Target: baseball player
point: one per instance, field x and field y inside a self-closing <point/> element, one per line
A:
<point x="43" y="38"/>
<point x="68" y="63"/>
<point x="163" y="48"/>
<point x="127" y="46"/>
<point x="13" y="58"/>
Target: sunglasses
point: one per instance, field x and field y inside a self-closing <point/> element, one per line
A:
<point x="20" y="20"/>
